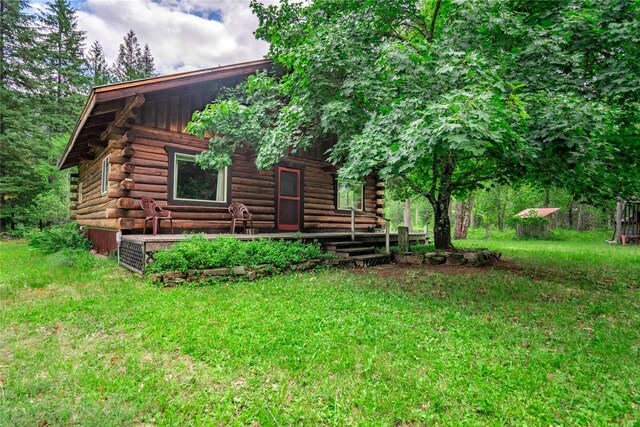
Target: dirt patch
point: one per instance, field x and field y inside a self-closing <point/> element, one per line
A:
<point x="399" y="271"/>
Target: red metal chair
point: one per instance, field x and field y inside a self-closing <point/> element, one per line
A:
<point x="239" y="212"/>
<point x="154" y="213"/>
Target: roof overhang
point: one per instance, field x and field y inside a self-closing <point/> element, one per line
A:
<point x="538" y="211"/>
<point x="109" y="99"/>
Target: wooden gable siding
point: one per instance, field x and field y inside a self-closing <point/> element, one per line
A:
<point x="172" y="110"/>
<point x="147" y="170"/>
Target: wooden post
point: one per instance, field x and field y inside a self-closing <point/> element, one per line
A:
<point x="403" y="239"/>
<point x="407" y="213"/>
<point x="353" y="225"/>
<point x="386" y="237"/>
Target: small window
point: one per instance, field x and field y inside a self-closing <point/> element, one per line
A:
<point x="349" y="196"/>
<point x="104" y="185"/>
<point x="80" y="193"/>
<point x="192" y="185"/>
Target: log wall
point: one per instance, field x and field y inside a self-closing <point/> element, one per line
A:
<point x="91" y="206"/>
<point x="136" y="143"/>
<point x="139" y="169"/>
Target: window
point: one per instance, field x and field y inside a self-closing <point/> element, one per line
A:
<point x="80" y="193"/>
<point x="349" y="196"/>
<point x="104" y="184"/>
<point x="192" y="185"/>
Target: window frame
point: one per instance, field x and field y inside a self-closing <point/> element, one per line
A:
<point x="104" y="178"/>
<point x="173" y="156"/>
<point x="80" y="196"/>
<point x="337" y="197"/>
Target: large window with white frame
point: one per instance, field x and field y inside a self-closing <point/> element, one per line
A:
<point x="189" y="184"/>
<point x="104" y="183"/>
<point x="349" y="196"/>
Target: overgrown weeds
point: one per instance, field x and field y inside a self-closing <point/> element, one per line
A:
<point x="57" y="238"/>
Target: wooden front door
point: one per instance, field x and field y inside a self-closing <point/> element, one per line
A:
<point x="288" y="198"/>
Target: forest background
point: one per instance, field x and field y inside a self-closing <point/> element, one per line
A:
<point x="47" y="67"/>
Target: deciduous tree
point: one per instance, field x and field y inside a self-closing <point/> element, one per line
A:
<point x="445" y="95"/>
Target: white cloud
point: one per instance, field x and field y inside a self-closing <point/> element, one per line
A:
<point x="177" y="31"/>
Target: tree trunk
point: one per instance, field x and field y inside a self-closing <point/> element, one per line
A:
<point x="407" y="213"/>
<point x="618" y="235"/>
<point x="570" y="213"/>
<point x="546" y="198"/>
<point x="463" y="218"/>
<point x="442" y="224"/>
<point x="584" y="218"/>
<point x="469" y="216"/>
<point x="502" y="208"/>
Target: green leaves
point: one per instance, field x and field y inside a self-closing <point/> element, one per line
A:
<point x="499" y="92"/>
<point x="199" y="253"/>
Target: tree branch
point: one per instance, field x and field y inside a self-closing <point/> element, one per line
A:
<point x="419" y="190"/>
<point x="436" y="11"/>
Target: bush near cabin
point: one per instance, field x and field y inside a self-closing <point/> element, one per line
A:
<point x="62" y="237"/>
<point x="199" y="253"/>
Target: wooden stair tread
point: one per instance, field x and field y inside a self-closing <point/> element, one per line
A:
<point x="368" y="257"/>
<point x="356" y="250"/>
<point x="345" y="243"/>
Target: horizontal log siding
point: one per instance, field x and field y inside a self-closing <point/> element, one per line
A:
<point x="249" y="186"/>
<point x="92" y="212"/>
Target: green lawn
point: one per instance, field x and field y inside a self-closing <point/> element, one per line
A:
<point x="555" y="343"/>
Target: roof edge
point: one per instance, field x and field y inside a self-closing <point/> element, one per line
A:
<point x="88" y="106"/>
<point x="100" y="90"/>
<point x="177" y="76"/>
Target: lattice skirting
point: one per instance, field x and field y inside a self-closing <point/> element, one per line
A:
<point x="132" y="255"/>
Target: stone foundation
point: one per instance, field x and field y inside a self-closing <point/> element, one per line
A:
<point x="173" y="278"/>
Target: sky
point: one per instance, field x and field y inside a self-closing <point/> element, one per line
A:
<point x="183" y="35"/>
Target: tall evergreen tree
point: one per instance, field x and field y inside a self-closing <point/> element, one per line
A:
<point x="21" y="145"/>
<point x="132" y="63"/>
<point x="65" y="62"/>
<point x="98" y="68"/>
<point x="126" y="65"/>
<point x="147" y="66"/>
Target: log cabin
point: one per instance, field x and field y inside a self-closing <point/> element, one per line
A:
<point x="129" y="143"/>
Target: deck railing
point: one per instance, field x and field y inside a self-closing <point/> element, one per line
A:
<point x="387" y="221"/>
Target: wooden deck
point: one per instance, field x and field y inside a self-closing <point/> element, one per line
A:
<point x="135" y="250"/>
<point x="161" y="241"/>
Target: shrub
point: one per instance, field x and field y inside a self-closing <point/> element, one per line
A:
<point x="423" y="248"/>
<point x="198" y="253"/>
<point x="57" y="238"/>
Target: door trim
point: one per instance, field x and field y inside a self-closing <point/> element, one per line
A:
<point x="299" y="170"/>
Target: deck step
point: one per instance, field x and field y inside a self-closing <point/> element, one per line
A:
<point x="345" y="243"/>
<point x="370" y="259"/>
<point x="357" y="250"/>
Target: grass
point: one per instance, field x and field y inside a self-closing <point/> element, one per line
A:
<point x="85" y="343"/>
<point x="577" y="256"/>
